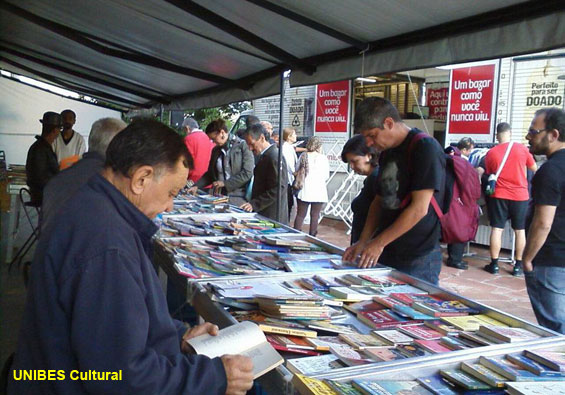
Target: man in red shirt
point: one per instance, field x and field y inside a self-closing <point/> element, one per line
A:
<point x="510" y="198"/>
<point x="200" y="147"/>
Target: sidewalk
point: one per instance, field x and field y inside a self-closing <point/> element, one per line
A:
<point x="503" y="291"/>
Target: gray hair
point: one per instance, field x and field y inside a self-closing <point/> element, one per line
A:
<point x="102" y="132"/>
<point x="190" y="123"/>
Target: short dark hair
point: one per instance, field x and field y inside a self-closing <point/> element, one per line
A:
<point x="255" y="131"/>
<point x="465" y="143"/>
<point x="554" y="119"/>
<point x="357" y="146"/>
<point x="216" y="126"/>
<point x="251" y="120"/>
<point x="146" y="142"/>
<point x="68" y="112"/>
<point x="503" y="127"/>
<point x="372" y="112"/>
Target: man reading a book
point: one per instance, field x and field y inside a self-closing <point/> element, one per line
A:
<point x="402" y="229"/>
<point x="95" y="303"/>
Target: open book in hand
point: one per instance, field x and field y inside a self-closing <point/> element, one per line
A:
<point x="244" y="338"/>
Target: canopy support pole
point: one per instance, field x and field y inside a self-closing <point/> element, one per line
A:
<point x="280" y="164"/>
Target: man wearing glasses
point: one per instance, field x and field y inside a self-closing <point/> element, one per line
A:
<point x="544" y="262"/>
<point x="510" y="197"/>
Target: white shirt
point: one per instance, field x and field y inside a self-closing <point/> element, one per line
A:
<point x="290" y="157"/>
<point x="315" y="190"/>
<point x="76" y="146"/>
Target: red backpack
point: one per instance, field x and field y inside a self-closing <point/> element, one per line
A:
<point x="460" y="217"/>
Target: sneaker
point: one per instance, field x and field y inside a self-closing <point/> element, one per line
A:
<point x="517" y="271"/>
<point x="462" y="265"/>
<point x="492" y="269"/>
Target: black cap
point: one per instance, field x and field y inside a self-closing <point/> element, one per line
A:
<point x="51" y="118"/>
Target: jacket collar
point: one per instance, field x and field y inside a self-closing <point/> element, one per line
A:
<point x="131" y="214"/>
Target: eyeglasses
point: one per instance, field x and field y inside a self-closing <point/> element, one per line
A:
<point x="533" y="132"/>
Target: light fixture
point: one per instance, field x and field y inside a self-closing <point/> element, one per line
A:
<point x="363" y="79"/>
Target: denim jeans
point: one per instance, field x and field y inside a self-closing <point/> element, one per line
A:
<point x="455" y="252"/>
<point x="546" y="288"/>
<point x="426" y="267"/>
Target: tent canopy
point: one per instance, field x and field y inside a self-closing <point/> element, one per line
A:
<point x="192" y="54"/>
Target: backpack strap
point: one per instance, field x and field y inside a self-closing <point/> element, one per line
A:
<point x="411" y="146"/>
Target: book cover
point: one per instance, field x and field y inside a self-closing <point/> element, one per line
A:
<point x="312" y="365"/>
<point x="478" y="338"/>
<point x="342" y="387"/>
<point x="366" y="305"/>
<point x="310" y="386"/>
<point x="441" y="309"/>
<point x="382" y="282"/>
<point x="244" y="338"/>
<point x="552" y="359"/>
<point x="384" y="354"/>
<point x="361" y="342"/>
<point x="281" y="346"/>
<point x="378" y="319"/>
<point x="506" y="334"/>
<point x="438" y="385"/>
<point x="464" y="380"/>
<point x="393" y="337"/>
<point x="356" y="280"/>
<point x="293" y="342"/>
<point x="326" y="326"/>
<point x="433" y="346"/>
<point x="411" y="313"/>
<point x="386" y="301"/>
<point x="412" y="350"/>
<point x="324" y="343"/>
<point x="386" y="387"/>
<point x="508" y="369"/>
<point x="405" y="288"/>
<point x="410" y="298"/>
<point x="471" y="322"/>
<point x="533" y="366"/>
<point x="349" y="356"/>
<point x="349" y="294"/>
<point x="484" y="374"/>
<point x="441" y="327"/>
<point x="453" y="343"/>
<point x="420" y="331"/>
<point x="526" y="388"/>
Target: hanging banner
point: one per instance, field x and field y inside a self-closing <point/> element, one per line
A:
<point x="471" y="102"/>
<point x="332" y="119"/>
<point x="436" y="100"/>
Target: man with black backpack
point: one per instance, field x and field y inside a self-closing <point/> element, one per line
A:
<point x="402" y="229"/>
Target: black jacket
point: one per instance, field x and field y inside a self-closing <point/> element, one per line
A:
<point x="41" y="166"/>
<point x="264" y="193"/>
<point x="239" y="165"/>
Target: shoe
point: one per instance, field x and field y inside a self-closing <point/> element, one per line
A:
<point x="517" y="271"/>
<point x="492" y="269"/>
<point x="462" y="265"/>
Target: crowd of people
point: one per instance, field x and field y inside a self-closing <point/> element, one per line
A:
<point x="92" y="275"/>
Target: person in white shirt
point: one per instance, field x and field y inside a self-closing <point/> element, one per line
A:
<point x="314" y="194"/>
<point x="69" y="145"/>
<point x="289" y="154"/>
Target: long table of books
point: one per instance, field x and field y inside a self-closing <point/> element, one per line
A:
<point x="278" y="289"/>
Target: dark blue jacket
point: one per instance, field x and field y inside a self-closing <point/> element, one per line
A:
<point x="95" y="303"/>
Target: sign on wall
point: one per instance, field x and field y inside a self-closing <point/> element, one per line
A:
<point x="436" y="99"/>
<point x="537" y="84"/>
<point x="333" y="107"/>
<point x="471" y="102"/>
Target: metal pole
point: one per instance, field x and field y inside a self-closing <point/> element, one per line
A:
<point x="281" y="111"/>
